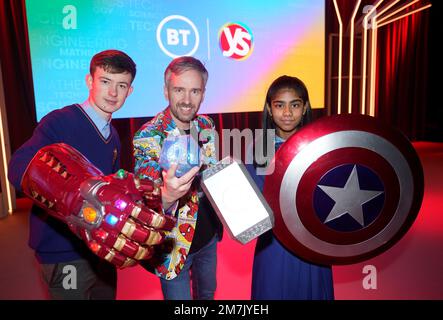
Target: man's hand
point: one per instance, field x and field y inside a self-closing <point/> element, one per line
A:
<point x="174" y="188"/>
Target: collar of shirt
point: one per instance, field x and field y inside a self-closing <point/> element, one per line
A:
<point x="279" y="140"/>
<point x="100" y="123"/>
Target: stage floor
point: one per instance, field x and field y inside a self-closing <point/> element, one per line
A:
<point x="411" y="269"/>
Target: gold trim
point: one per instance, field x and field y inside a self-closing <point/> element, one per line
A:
<point x="157" y="220"/>
<point x="44" y="157"/>
<point x="154" y="238"/>
<point x="141" y="253"/>
<point x="110" y="256"/>
<point x="51" y="162"/>
<point x="129" y="228"/>
<point x="120" y="243"/>
<point x="136" y="211"/>
<point x="137" y="182"/>
<point x="57" y="167"/>
<point x="128" y="263"/>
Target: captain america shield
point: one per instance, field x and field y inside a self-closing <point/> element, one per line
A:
<point x="350" y="187"/>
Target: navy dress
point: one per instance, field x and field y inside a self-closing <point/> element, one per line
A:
<point x="278" y="274"/>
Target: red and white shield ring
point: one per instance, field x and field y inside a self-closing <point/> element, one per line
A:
<point x="350" y="187"/>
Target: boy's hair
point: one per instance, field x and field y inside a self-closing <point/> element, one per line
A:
<point x="113" y="61"/>
<point x="182" y="64"/>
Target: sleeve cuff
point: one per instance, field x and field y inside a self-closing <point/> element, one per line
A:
<point x="171" y="210"/>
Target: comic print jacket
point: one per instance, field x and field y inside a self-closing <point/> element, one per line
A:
<point x="148" y="142"/>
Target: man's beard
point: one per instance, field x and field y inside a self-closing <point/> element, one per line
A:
<point x="182" y="117"/>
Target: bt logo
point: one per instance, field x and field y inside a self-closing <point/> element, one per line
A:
<point x="177" y="36"/>
<point x="236" y="41"/>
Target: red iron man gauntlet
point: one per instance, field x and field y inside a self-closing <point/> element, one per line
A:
<point x="107" y="212"/>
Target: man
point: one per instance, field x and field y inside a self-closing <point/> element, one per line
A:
<point x="198" y="229"/>
<point x="62" y="167"/>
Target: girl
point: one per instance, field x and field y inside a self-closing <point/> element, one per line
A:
<point x="277" y="272"/>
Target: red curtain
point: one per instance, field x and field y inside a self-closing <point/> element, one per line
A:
<point x="402" y="77"/>
<point x="16" y="70"/>
<point x="402" y="74"/>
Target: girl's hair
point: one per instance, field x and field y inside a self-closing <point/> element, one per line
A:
<point x="283" y="82"/>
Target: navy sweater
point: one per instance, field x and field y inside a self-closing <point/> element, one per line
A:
<point x="51" y="239"/>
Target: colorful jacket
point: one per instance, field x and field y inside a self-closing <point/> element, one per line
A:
<point x="148" y="142"/>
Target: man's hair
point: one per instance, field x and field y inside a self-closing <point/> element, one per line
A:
<point x="185" y="63"/>
<point x="113" y="61"/>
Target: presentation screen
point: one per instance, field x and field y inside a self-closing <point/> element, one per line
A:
<point x="244" y="45"/>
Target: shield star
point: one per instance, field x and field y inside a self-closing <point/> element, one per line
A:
<point x="349" y="199"/>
